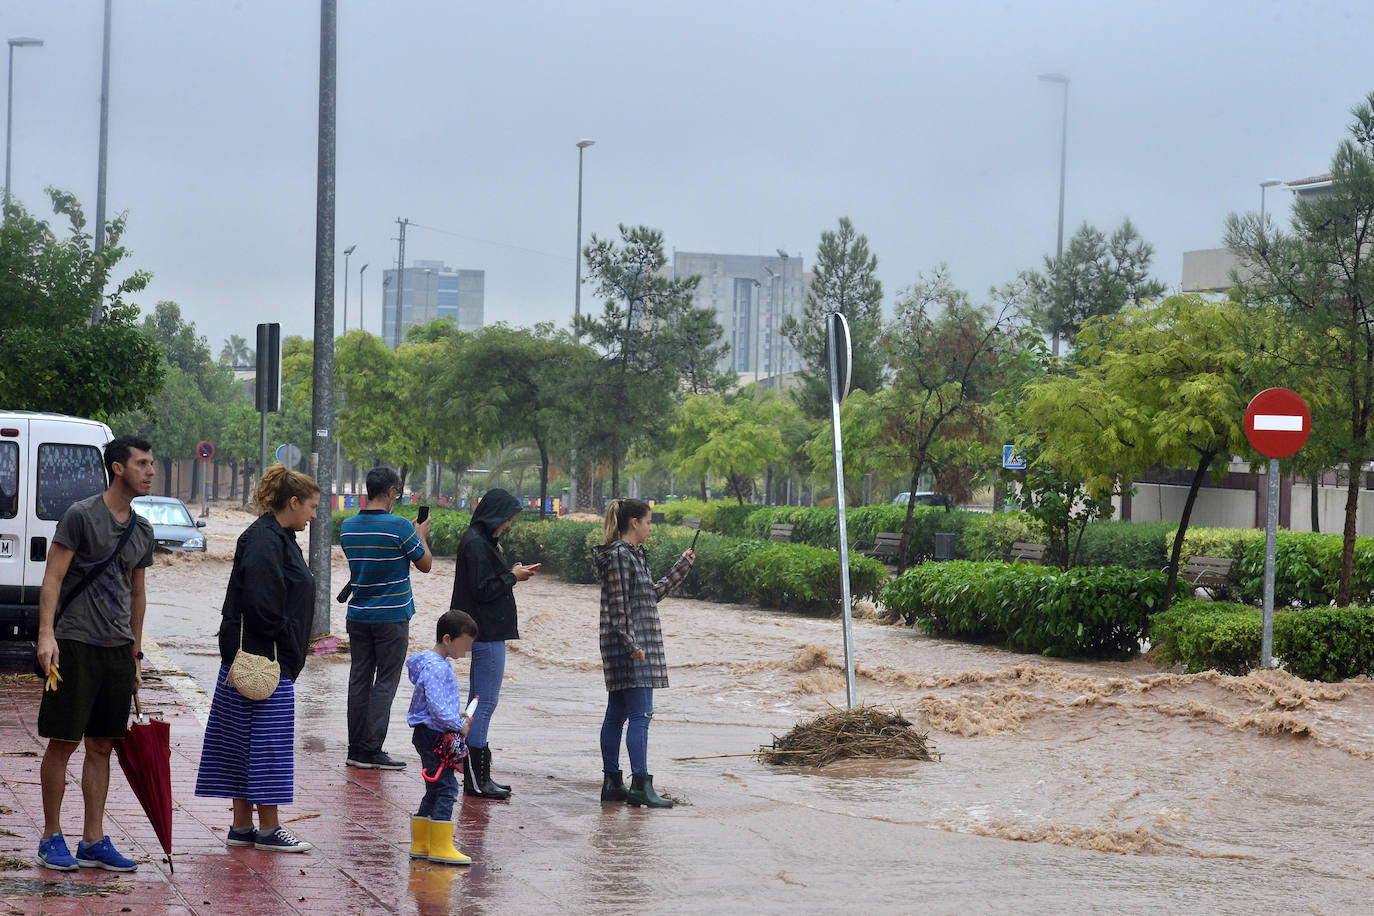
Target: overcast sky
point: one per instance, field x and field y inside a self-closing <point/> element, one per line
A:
<point x="736" y="127"/>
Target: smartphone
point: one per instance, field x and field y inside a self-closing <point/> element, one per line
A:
<point x="534" y="566"/>
<point x="422" y="515"/>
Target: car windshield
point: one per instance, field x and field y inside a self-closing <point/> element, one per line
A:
<point x="165" y="513"/>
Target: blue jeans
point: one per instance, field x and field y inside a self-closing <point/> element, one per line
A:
<point x="437" y="805"/>
<point x="484" y="682"/>
<point x="635" y="705"/>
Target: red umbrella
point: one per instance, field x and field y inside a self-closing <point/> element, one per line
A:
<point x="145" y="756"/>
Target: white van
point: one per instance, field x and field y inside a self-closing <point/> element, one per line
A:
<point x="47" y="462"/>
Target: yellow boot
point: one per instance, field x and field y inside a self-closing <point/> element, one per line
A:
<point x="419" y="837"/>
<point x="441" y="848"/>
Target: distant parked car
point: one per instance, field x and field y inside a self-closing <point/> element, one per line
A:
<point x="923" y="498"/>
<point x="173" y="526"/>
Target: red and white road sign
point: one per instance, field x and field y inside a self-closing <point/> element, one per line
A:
<point x="1277" y="422"/>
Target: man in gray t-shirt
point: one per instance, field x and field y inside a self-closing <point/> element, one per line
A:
<point x="92" y="650"/>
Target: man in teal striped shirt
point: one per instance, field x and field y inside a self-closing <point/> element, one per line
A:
<point x="380" y="548"/>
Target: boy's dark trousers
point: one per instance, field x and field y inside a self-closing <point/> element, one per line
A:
<point x="437" y="805"/>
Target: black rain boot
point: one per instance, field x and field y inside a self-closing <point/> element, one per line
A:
<point x="486" y="754"/>
<point x="479" y="766"/>
<point x="642" y="793"/>
<point x="613" y="787"/>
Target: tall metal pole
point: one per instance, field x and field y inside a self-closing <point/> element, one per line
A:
<point x="1265" y="185"/>
<point x="837" y="340"/>
<point x="347" y="251"/>
<point x="1063" y="171"/>
<point x="361" y="324"/>
<point x="98" y="307"/>
<point x="322" y="414"/>
<point x="400" y="281"/>
<point x="9" y="108"/>
<point x="577" y="315"/>
<point x="1271" y="527"/>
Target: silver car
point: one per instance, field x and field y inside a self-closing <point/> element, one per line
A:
<point x="173" y="526"/>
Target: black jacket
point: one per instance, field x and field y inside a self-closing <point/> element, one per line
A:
<point x="483" y="584"/>
<point x="272" y="591"/>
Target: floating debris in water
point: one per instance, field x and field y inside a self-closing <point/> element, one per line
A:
<point x="866" y="732"/>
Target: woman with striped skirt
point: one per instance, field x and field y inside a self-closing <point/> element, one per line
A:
<point x="249" y="749"/>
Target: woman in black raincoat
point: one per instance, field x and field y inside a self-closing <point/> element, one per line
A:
<point x="484" y="587"/>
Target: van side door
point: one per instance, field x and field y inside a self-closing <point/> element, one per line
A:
<point x="67" y="471"/>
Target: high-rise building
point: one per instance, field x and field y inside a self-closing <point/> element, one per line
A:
<point x="751" y="296"/>
<point x="430" y="290"/>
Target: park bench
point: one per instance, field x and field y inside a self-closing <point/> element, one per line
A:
<point x="692" y="523"/>
<point x="781" y="533"/>
<point x="1024" y="552"/>
<point x="887" y="547"/>
<point x="1211" y="574"/>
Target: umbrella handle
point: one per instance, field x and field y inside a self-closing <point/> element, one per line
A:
<point x="437" y="773"/>
<point x="138" y="707"/>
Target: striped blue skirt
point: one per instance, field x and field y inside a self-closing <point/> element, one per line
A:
<point x="249" y="745"/>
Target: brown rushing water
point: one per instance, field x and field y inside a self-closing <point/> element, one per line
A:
<point x="1063" y="786"/>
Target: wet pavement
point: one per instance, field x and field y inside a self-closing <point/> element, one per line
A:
<point x="1064" y="786"/>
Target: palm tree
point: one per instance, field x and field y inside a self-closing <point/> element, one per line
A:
<point x="236" y="352"/>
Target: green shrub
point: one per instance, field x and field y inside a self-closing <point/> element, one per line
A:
<point x="1326" y="643"/>
<point x="1134" y="545"/>
<point x="674" y="512"/>
<point x="1097" y="612"/>
<point x="1320" y="643"/>
<point x="1204" y="541"/>
<point x="525" y="541"/>
<point x="798" y="577"/>
<point x="732" y="520"/>
<point x="446" y="526"/>
<point x="992" y="533"/>
<point x="568" y="549"/>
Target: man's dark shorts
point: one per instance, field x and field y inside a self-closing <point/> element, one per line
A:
<point x="95" y="694"/>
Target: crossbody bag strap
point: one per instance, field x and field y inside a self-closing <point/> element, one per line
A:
<point x="243" y="619"/>
<point x="97" y="569"/>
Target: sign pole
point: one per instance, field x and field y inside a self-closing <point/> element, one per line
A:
<point x="1277" y="423"/>
<point x="1271" y="530"/>
<point x="838" y="363"/>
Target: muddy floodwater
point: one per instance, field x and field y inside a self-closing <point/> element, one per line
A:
<point x="1062" y="786"/>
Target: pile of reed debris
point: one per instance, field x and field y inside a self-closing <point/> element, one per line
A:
<point x="865" y="733"/>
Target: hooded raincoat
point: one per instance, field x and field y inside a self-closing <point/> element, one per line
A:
<point x="629" y="615"/>
<point x="483" y="584"/>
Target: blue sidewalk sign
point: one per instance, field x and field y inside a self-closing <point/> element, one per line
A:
<point x="1012" y="461"/>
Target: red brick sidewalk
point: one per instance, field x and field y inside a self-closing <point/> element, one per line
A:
<point x="357" y="820"/>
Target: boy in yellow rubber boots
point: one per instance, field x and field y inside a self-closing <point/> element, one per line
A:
<point x="436" y="708"/>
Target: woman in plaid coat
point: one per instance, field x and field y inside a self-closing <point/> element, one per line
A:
<point x="631" y="647"/>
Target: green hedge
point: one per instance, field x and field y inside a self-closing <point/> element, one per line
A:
<point x="1307" y="569"/>
<point x="1097" y="612"/>
<point x="1320" y="643"/>
<point x="446" y="526"/>
<point x="1134" y="545"/>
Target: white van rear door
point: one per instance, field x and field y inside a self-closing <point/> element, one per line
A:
<point x="68" y="469"/>
<point x="14" y="500"/>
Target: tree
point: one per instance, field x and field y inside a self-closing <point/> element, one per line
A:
<point x="236" y="352"/>
<point x="646" y="327"/>
<point x="845" y="281"/>
<point x="1321" y="274"/>
<point x="730" y="436"/>
<point x="55" y="360"/>
<point x="1164" y="384"/>
<point x="1094" y="276"/>
<point x="948" y="358"/>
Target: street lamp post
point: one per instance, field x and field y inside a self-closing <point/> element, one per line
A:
<point x="347" y="251"/>
<point x="577" y="316"/>
<point x="9" y="107"/>
<point x="754" y="331"/>
<point x="775" y="331"/>
<point x="1264" y="185"/>
<point x="772" y="295"/>
<point x="1063" y="168"/>
<point x="361" y="270"/>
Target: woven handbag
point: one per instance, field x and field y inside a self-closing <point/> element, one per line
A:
<point x="255" y="677"/>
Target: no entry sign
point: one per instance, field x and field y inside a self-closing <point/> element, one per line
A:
<point x="1277" y="422"/>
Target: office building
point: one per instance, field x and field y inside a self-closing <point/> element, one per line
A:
<point x="430" y="290"/>
<point x="751" y="296"/>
